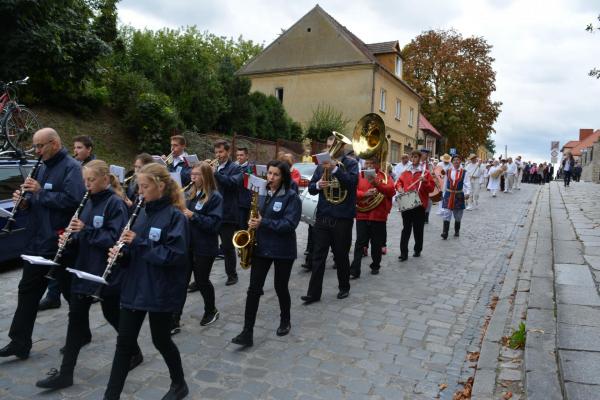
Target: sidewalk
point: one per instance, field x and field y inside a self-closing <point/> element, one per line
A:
<point x="551" y="286"/>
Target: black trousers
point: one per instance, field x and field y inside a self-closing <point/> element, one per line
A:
<point x="244" y="216"/>
<point x="32" y="286"/>
<point x="368" y="231"/>
<point x="413" y="221"/>
<point x="567" y="177"/>
<point x="130" y="323"/>
<point x="79" y="321"/>
<point x="226" y="234"/>
<point x="201" y="267"/>
<point x="258" y="275"/>
<point x="336" y="233"/>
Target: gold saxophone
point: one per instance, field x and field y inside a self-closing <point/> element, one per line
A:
<point x="245" y="240"/>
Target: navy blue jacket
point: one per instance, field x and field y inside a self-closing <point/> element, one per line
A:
<point x="183" y="170"/>
<point x="348" y="178"/>
<point x="245" y="195"/>
<point x="276" y="234"/>
<point x="156" y="276"/>
<point x="230" y="179"/>
<point x="104" y="216"/>
<point x="205" y="224"/>
<point x="50" y="210"/>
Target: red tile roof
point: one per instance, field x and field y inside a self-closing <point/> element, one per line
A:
<point x="425" y="125"/>
<point x="587" y="142"/>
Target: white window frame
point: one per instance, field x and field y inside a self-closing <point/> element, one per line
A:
<point x="382" y="95"/>
<point x="398" y="67"/>
<point x="411" y="117"/>
<point x="398" y="109"/>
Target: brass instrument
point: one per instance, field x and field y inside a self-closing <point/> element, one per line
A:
<point x="245" y="240"/>
<point x="61" y="247"/>
<point x="334" y="193"/>
<point x="169" y="159"/>
<point x="368" y="141"/>
<point x="127" y="180"/>
<point x="187" y="187"/>
<point x="214" y="163"/>
<point x="11" y="220"/>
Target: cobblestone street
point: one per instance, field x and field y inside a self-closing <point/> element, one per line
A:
<point x="404" y="333"/>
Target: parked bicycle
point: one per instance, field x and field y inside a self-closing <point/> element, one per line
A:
<point x="17" y="122"/>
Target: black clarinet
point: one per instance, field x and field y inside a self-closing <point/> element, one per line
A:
<point x="61" y="247"/>
<point x="11" y="220"/>
<point x="113" y="259"/>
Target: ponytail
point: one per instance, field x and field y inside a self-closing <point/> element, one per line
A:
<point x="159" y="173"/>
<point x="116" y="185"/>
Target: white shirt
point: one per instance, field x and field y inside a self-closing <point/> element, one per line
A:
<point x="399" y="169"/>
<point x="453" y="173"/>
<point x="511" y="169"/>
<point x="474" y="170"/>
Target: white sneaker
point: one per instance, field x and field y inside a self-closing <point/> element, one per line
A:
<point x="469" y="208"/>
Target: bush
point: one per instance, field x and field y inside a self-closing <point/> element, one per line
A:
<point x="153" y="118"/>
<point x="326" y="119"/>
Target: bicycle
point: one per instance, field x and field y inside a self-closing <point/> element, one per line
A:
<point x="17" y="122"/>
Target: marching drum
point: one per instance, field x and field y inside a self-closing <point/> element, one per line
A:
<point x="309" y="207"/>
<point x="408" y="200"/>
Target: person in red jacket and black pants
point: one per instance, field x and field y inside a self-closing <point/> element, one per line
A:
<point x="371" y="224"/>
<point x="414" y="178"/>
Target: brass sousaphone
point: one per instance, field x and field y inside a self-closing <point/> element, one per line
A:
<point x="369" y="141"/>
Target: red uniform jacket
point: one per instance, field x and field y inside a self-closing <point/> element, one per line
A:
<point x="379" y="213"/>
<point x="296" y="176"/>
<point x="407" y="178"/>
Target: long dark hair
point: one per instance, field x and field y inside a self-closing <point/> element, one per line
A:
<point x="284" y="168"/>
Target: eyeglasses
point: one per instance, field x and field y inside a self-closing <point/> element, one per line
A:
<point x="40" y="146"/>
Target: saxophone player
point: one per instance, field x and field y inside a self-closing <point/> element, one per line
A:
<point x="275" y="225"/>
<point x="374" y="195"/>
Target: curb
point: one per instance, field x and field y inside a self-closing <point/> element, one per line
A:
<point x="487" y="365"/>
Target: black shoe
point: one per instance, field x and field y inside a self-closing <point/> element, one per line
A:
<point x="426" y="217"/>
<point x="231" y="280"/>
<point x="343" y="294"/>
<point x="177" y="391"/>
<point x="87" y="341"/>
<point x="244" y="338"/>
<point x="175" y="326"/>
<point x="13" y="349"/>
<point x="354" y="276"/>
<point x="306" y="266"/>
<point x="48" y="304"/>
<point x="334" y="266"/>
<point x="444" y="234"/>
<point x="374" y="271"/>
<point x="135" y="360"/>
<point x="284" y="328"/>
<point x="209" y="317"/>
<point x="193" y="287"/>
<point x="456" y="228"/>
<point x="417" y="254"/>
<point x="403" y="258"/>
<point x="309" y="299"/>
<point x="55" y="380"/>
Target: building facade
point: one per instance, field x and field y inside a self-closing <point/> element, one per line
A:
<point x="317" y="62"/>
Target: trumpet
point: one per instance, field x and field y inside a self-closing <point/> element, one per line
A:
<point x="61" y="247"/>
<point x="169" y="159"/>
<point x="214" y="163"/>
<point x="128" y="179"/>
<point x="113" y="259"/>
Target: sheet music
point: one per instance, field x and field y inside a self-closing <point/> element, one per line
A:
<point x="5" y="213"/>
<point x="176" y="177"/>
<point x="323" y="157"/>
<point x="87" y="276"/>
<point x="117" y="171"/>
<point x="37" y="260"/>
<point x="191" y="160"/>
<point x="159" y="160"/>
<point x="261" y="170"/>
<point x="257" y="184"/>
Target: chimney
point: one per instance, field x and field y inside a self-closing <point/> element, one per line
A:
<point x="585" y="133"/>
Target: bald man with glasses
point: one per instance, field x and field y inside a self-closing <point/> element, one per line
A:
<point x="50" y="200"/>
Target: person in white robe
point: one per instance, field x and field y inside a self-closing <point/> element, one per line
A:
<point x="475" y="171"/>
<point x="494" y="182"/>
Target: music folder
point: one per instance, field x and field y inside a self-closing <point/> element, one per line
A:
<point x="37" y="260"/>
<point x="87" y="276"/>
<point x="118" y="171"/>
<point x="5" y="213"/>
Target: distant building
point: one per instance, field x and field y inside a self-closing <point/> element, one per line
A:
<point x="430" y="137"/>
<point x="319" y="61"/>
<point x="587" y="137"/>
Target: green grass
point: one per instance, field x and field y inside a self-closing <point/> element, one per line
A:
<point x="517" y="339"/>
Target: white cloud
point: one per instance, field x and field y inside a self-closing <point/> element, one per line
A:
<point x="542" y="51"/>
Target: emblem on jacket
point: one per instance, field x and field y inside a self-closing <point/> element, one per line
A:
<point x="154" y="234"/>
<point x="98" y="221"/>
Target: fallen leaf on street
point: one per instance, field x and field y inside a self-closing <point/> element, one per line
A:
<point x="507" y="395"/>
<point x="443" y="386"/>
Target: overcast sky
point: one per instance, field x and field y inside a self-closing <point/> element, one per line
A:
<point x="542" y="51"/>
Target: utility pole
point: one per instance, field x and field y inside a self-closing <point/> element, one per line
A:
<point x="505" y="151"/>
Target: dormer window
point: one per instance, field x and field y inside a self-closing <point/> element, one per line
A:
<point x="398" y="67"/>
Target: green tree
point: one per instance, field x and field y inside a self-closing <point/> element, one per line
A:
<point x="456" y="79"/>
<point x="54" y="43"/>
<point x="325" y="119"/>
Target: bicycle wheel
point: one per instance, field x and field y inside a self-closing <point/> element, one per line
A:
<point x="19" y="128"/>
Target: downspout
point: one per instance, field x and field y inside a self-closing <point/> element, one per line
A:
<point x="373" y="89"/>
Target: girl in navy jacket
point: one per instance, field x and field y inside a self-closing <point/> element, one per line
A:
<point x="154" y="281"/>
<point x="279" y="215"/>
<point x="95" y="231"/>
<point x="205" y="213"/>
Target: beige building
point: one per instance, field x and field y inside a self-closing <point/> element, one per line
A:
<point x="318" y="61"/>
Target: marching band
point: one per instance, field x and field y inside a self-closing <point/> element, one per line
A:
<point x="157" y="236"/>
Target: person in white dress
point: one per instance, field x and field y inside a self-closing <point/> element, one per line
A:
<point x="511" y="175"/>
<point x="494" y="182"/>
<point x="475" y="171"/>
<point x="520" y="167"/>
